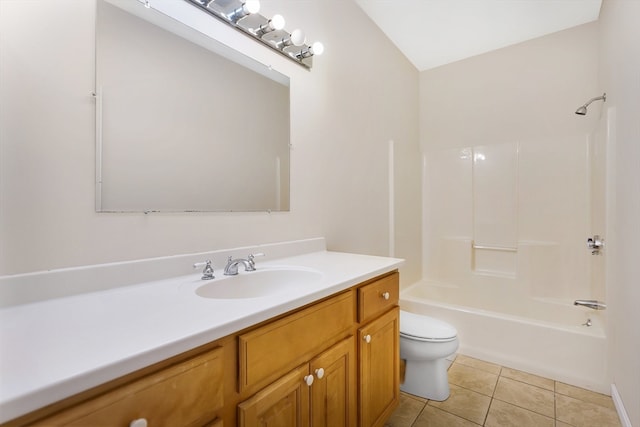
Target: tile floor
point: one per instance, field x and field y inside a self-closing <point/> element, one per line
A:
<point x="485" y="394"/>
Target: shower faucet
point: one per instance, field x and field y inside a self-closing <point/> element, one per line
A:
<point x="595" y="243"/>
<point x="590" y="303"/>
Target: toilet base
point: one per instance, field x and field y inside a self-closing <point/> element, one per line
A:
<point x="427" y="379"/>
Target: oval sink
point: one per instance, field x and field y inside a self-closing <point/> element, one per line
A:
<point x="259" y="283"/>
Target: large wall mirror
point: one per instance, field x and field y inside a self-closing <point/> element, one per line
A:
<point x="182" y="125"/>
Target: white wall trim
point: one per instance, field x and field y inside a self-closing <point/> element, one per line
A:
<point x="392" y="207"/>
<point x="622" y="413"/>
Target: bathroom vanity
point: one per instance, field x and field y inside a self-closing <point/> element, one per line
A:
<point x="328" y="356"/>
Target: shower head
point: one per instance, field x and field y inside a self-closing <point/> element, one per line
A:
<point x="582" y="111"/>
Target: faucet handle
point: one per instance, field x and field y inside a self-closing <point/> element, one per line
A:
<point x="252" y="263"/>
<point x="207" y="273"/>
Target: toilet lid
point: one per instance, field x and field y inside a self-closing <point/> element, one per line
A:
<point x="425" y="327"/>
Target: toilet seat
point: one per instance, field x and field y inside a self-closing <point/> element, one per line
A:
<point x="424" y="328"/>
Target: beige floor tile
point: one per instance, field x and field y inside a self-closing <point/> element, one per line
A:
<point x="434" y="417"/>
<point x="525" y="377"/>
<point x="413" y="396"/>
<point x="478" y="364"/>
<point x="407" y="412"/>
<point x="579" y="413"/>
<point x="526" y="396"/>
<point x="474" y="379"/>
<point x="503" y="414"/>
<point x="561" y="424"/>
<point x="465" y="403"/>
<point x="586" y="395"/>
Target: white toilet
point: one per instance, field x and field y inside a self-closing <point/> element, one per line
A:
<point x="425" y="343"/>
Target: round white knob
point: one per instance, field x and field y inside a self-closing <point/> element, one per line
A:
<point x="386" y="295"/>
<point x="367" y="338"/>
<point x="308" y="379"/>
<point x="140" y="422"/>
<point x="319" y="373"/>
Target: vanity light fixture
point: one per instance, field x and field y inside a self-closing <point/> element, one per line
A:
<point x="249" y="7"/>
<point x="275" y="23"/>
<point x="296" y="38"/>
<point x="315" y="49"/>
<point x="244" y="16"/>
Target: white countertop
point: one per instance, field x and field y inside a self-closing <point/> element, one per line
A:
<point x="59" y="347"/>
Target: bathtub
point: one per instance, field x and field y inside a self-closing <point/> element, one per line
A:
<point x="542" y="337"/>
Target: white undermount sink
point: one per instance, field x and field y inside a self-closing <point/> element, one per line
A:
<point x="260" y="283"/>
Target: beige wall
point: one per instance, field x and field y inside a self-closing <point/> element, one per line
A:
<point x="527" y="91"/>
<point x="360" y="94"/>
<point x="620" y="77"/>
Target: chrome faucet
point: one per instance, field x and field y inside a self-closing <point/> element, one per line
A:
<point x="590" y="303"/>
<point x="207" y="273"/>
<point x="231" y="269"/>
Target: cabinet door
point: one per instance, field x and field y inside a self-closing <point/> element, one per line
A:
<point x="379" y="369"/>
<point x="186" y="394"/>
<point x="284" y="403"/>
<point x="270" y="351"/>
<point x="333" y="393"/>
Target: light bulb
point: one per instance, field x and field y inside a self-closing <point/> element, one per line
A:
<point x="276" y="22"/>
<point x="297" y="37"/>
<point x="251" y="6"/>
<point x="317" y="48"/>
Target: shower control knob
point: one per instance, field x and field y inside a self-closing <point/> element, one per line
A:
<point x="367" y="338"/>
<point x="595" y="243"/>
<point x="385" y="295"/>
<point x="320" y="373"/>
<point x="308" y="379"/>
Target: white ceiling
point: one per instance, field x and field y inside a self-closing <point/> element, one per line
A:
<point x="431" y="33"/>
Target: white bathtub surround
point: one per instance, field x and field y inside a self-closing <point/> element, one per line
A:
<point x="543" y="338"/>
<point x="54" y="348"/>
<point x="517" y="210"/>
<point x="505" y="256"/>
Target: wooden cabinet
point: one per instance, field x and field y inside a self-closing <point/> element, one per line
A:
<point x="379" y="368"/>
<point x="268" y="352"/>
<point x="285" y="403"/>
<point x="331" y="399"/>
<point x="378" y="296"/>
<point x="331" y="363"/>
<point x="186" y="394"/>
<point x="318" y="393"/>
<point x="333" y="393"/>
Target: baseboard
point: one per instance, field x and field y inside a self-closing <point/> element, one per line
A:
<point x="622" y="413"/>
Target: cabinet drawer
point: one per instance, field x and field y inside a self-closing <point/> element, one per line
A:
<point x="270" y="351"/>
<point x="378" y="296"/>
<point x="185" y="394"/>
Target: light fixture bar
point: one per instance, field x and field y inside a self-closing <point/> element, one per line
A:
<point x="243" y="15"/>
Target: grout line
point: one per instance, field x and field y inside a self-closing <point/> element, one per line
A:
<point x="424" y="406"/>
<point x="529" y="384"/>
<point x="526" y="409"/>
<point x="487" y="414"/>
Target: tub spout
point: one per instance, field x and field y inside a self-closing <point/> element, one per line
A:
<point x="590" y="303"/>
